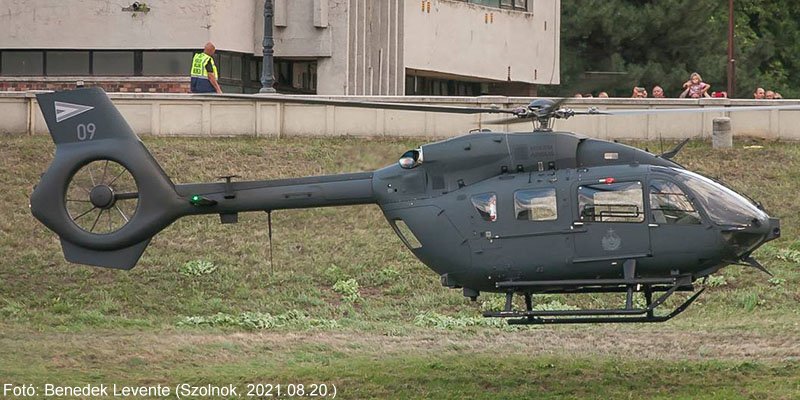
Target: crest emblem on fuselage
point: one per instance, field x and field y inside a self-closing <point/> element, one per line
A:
<point x="611" y="241"/>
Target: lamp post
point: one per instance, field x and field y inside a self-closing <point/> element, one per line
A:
<point x="266" y="68"/>
<point x="731" y="60"/>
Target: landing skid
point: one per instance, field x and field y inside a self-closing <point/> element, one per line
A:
<point x="629" y="314"/>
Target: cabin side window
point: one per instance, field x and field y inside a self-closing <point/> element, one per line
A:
<point x="536" y="204"/>
<point x="486" y="204"/>
<point x="611" y="202"/>
<point x="669" y="205"/>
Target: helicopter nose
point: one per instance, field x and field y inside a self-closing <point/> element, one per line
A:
<point x="743" y="240"/>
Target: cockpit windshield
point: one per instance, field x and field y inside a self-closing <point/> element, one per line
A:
<point x="723" y="205"/>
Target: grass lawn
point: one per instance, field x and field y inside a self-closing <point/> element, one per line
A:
<point x="349" y="306"/>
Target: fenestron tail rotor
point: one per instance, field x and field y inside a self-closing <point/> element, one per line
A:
<point x="102" y="197"/>
<point x="103" y="194"/>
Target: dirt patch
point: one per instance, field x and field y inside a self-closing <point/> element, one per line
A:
<point x="616" y="342"/>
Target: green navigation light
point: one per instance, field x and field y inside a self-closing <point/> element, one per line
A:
<point x="198" y="200"/>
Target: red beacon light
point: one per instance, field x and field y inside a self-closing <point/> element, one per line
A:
<point x="607" y="181"/>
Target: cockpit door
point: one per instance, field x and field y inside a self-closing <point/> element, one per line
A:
<point x="610" y="221"/>
<point x="679" y="234"/>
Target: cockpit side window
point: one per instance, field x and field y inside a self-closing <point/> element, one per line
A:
<point x="536" y="204"/>
<point x="611" y="202"/>
<point x="722" y="205"/>
<point x="486" y="204"/>
<point x="670" y="205"/>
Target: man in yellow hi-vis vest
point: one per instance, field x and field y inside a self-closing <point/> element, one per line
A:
<point x="204" y="71"/>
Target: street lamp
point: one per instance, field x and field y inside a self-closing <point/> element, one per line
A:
<point x="267" y="79"/>
<point x="731" y="60"/>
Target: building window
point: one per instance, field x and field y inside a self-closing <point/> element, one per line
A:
<point x="521" y="5"/>
<point x="424" y="86"/>
<point x="166" y="62"/>
<point x="615" y="202"/>
<point x="224" y="65"/>
<point x="296" y="76"/>
<point x="255" y="70"/>
<point x="536" y="204"/>
<point x="15" y="63"/>
<point x="112" y="63"/>
<point x="67" y="62"/>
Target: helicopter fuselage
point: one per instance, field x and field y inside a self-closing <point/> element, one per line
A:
<point x="492" y="208"/>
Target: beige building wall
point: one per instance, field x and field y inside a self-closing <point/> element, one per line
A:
<point x="100" y="24"/>
<point x="362" y="47"/>
<point x="470" y="40"/>
<point x="310" y="29"/>
<point x="375" y="48"/>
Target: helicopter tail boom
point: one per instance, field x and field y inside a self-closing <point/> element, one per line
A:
<point x="278" y="194"/>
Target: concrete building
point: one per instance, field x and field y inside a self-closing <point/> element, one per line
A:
<point x="329" y="47"/>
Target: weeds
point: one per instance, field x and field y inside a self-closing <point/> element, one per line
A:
<point x="197" y="268"/>
<point x="387" y="275"/>
<point x="258" y="321"/>
<point x="749" y="301"/>
<point x="540" y="303"/>
<point x="775" y="281"/>
<point x="432" y="319"/>
<point x="716" y="281"/>
<point x="348" y="289"/>
<point x="334" y="274"/>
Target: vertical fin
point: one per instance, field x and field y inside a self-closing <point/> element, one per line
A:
<point x="82" y="115"/>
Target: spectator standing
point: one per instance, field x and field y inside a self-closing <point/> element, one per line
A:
<point x="658" y="92"/>
<point x="769" y="95"/>
<point x="695" y="88"/>
<point x="204" y="71"/>
<point x="759" y="94"/>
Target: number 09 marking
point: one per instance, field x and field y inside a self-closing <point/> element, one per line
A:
<point x="86" y="131"/>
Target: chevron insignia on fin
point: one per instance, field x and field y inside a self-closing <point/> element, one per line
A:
<point x="65" y="111"/>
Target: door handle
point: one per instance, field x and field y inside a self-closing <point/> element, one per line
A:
<point x="653" y="225"/>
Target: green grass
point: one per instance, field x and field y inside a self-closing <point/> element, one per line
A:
<point x="350" y="305"/>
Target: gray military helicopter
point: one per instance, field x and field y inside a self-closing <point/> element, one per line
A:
<point x="516" y="213"/>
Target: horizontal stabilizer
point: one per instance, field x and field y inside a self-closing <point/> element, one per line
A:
<point x="124" y="258"/>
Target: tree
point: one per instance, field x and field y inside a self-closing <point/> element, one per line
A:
<point x="662" y="42"/>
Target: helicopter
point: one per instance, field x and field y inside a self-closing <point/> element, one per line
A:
<point x="522" y="214"/>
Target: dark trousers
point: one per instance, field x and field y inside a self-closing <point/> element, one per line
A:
<point x="200" y="85"/>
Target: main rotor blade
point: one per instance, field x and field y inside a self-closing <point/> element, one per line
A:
<point x="688" y="110"/>
<point x="366" y="104"/>
<point x="512" y="120"/>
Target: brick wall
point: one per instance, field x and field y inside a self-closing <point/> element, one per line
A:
<point x="169" y="85"/>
